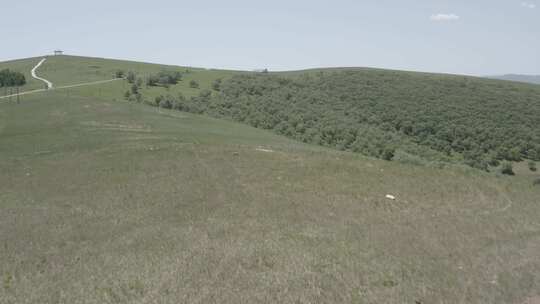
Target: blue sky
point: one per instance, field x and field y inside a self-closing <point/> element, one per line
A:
<point x="465" y="37"/>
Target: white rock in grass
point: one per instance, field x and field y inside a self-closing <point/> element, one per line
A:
<point x="391" y="197"/>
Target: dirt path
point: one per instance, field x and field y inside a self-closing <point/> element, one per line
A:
<point x="59" y="88"/>
<point x="88" y="83"/>
<point x="33" y="72"/>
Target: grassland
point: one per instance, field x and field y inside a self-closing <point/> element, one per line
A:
<point x="106" y="201"/>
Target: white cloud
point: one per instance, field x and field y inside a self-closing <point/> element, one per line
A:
<point x="444" y="17"/>
<point x="528" y="5"/>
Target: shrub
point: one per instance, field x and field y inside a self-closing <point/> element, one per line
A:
<point x="131" y="77"/>
<point x="119" y="74"/>
<point x="216" y="85"/>
<point x="164" y="79"/>
<point x="138" y="97"/>
<point x="514" y="154"/>
<point x="506" y="168"/>
<point x="152" y="80"/>
<point x="127" y="95"/>
<point x="158" y="100"/>
<point x="165" y="103"/>
<point x="388" y="153"/>
<point x="193" y="84"/>
<point x="536" y="182"/>
<point x="532" y="166"/>
<point x="169" y="77"/>
<point x="134" y="89"/>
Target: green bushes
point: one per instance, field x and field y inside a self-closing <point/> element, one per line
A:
<point x="164" y="79"/>
<point x="119" y="74"/>
<point x="216" y="84"/>
<point x="131" y="77"/>
<point x="532" y="166"/>
<point x="10" y="78"/>
<point x="193" y="84"/>
<point x="506" y="168"/>
<point x="134" y="93"/>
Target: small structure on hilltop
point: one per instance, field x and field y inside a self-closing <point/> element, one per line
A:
<point x="58" y="52"/>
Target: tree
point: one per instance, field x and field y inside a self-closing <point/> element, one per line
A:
<point x="216" y="85"/>
<point x="119" y="74"/>
<point x="134" y="89"/>
<point x="158" y="100"/>
<point x="514" y="154"/>
<point x="131" y="77"/>
<point x="127" y="95"/>
<point x="388" y="153"/>
<point x="139" y="82"/>
<point x="193" y="84"/>
<point x="165" y="103"/>
<point x="532" y="165"/>
<point x="506" y="168"/>
<point x="138" y="97"/>
<point x="152" y="80"/>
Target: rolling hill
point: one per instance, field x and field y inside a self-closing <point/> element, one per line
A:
<point x="105" y="200"/>
<point x="534" y="79"/>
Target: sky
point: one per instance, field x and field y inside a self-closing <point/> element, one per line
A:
<point x="447" y="36"/>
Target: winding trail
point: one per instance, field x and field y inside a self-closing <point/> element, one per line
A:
<point x="33" y="72"/>
<point x="50" y="85"/>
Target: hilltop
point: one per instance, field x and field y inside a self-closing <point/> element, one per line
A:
<point x="109" y="200"/>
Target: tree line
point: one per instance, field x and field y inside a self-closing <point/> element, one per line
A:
<point x="10" y="78"/>
<point x="383" y="113"/>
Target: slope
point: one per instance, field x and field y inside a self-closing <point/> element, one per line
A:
<point x="118" y="202"/>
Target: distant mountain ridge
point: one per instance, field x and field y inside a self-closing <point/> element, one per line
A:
<point x="535" y="79"/>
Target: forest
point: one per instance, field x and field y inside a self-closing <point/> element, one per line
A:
<point x="385" y="114"/>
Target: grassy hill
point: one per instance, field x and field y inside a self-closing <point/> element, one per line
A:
<point x="109" y="201"/>
<point x="406" y="116"/>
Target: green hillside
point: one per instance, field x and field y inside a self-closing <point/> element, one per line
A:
<point x="389" y="114"/>
<point x="105" y="200"/>
<point x="410" y="117"/>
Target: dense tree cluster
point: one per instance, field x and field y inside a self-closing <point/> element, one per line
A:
<point x="10" y="78"/>
<point x="448" y="118"/>
<point x="164" y="78"/>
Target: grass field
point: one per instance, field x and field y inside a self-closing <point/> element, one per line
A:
<point x="105" y="201"/>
